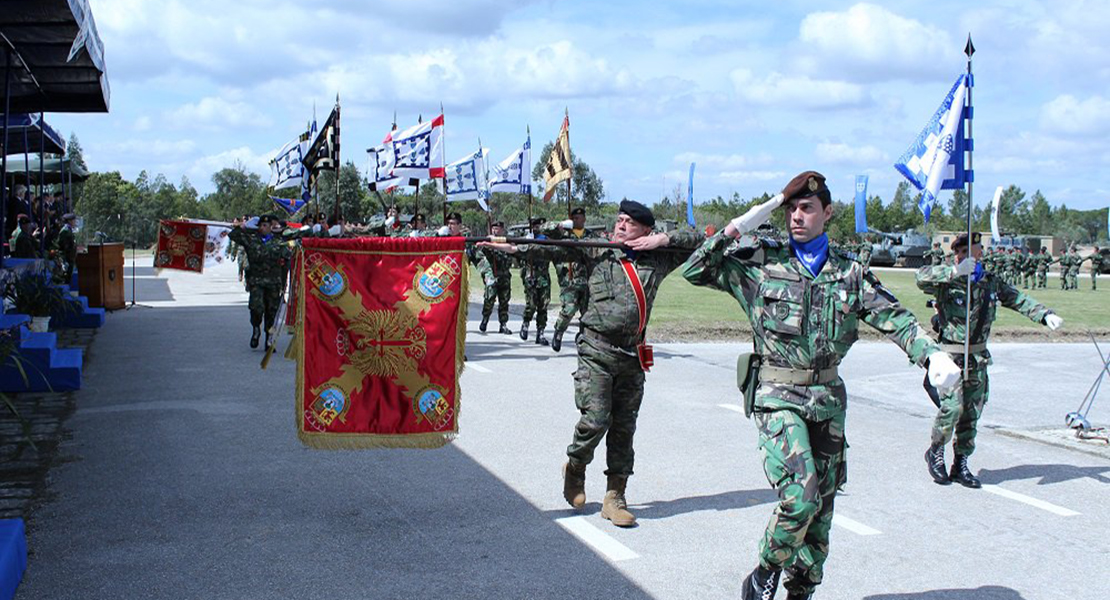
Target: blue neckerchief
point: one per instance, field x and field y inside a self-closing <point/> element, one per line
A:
<point x="267" y="237"/>
<point x="812" y="254"/>
<point x="978" y="273"/>
<point x="630" y="254"/>
<point x="540" y="236"/>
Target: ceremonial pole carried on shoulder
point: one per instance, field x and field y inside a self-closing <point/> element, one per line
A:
<point x="969" y="49"/>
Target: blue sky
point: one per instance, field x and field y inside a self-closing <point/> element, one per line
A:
<point x="755" y="92"/>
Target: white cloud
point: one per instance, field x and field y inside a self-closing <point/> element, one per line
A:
<point x="732" y="162"/>
<point x="849" y="154"/>
<point x="216" y="112"/>
<point x="1069" y="115"/>
<point x="739" y="177"/>
<point x="782" y="91"/>
<point x="203" y="167"/>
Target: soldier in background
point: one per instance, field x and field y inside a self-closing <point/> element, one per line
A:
<point x="267" y="259"/>
<point x="496" y="269"/>
<point x="804" y="304"/>
<point x="1073" y="268"/>
<point x="66" y="244"/>
<point x="1097" y="261"/>
<point x="936" y="255"/>
<point x="573" y="293"/>
<point x="864" y="253"/>
<point x="960" y="408"/>
<point x="1044" y="259"/>
<point x="535" y="272"/>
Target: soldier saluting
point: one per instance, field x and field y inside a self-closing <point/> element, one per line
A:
<point x="267" y="260"/>
<point x="960" y="408"/>
<point x="804" y="304"/>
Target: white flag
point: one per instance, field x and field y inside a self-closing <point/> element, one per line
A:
<point x="287" y="166"/>
<point x="418" y="151"/>
<point x="514" y="174"/>
<point x="996" y="235"/>
<point x="467" y="179"/>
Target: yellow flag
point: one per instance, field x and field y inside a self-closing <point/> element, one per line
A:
<point x="558" y="167"/>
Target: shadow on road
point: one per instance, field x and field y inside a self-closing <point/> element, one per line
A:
<point x="662" y="509"/>
<point x="1047" y="474"/>
<point x="986" y="592"/>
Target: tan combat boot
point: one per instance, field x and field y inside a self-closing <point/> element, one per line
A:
<point x="614" y="507"/>
<point x="574" y="484"/>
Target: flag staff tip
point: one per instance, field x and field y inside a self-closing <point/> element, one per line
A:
<point x="969" y="49"/>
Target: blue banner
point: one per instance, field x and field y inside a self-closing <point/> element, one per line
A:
<point x="289" y="205"/>
<point x="861" y="203"/>
<point x="690" y="198"/>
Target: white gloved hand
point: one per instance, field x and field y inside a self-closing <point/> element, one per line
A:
<point x="335" y="230"/>
<point x="390" y="221"/>
<point x="757" y="215"/>
<point x="316" y="228"/>
<point x="1054" y="322"/>
<point x="567" y="224"/>
<point x="252" y="223"/>
<point x="943" y="373"/>
<point x="444" y="230"/>
<point x="966" y="267"/>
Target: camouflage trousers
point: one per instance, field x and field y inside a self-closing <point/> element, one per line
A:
<point x="1094" y="279"/>
<point x="805" y="462"/>
<point x="608" y="388"/>
<point x="573" y="299"/>
<point x="1073" y="279"/>
<point x="1042" y="279"/>
<point x="499" y="291"/>
<point x="1029" y="280"/>
<point x="537" y="295"/>
<point x="1063" y="279"/>
<point x="959" y="412"/>
<point x="263" y="303"/>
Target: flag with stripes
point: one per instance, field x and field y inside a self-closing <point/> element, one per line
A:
<point x="558" y="167"/>
<point x="380" y="168"/>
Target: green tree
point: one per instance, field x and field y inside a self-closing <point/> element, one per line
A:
<point x="354" y="197"/>
<point x="587" y="187"/>
<point x="238" y="192"/>
<point x="103" y="205"/>
<point x="76" y="157"/>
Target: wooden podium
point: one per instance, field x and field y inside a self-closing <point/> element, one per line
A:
<point x="100" y="275"/>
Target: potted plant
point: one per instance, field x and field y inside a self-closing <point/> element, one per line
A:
<point x="31" y="292"/>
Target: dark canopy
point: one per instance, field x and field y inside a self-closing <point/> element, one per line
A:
<point x="52" y="171"/>
<point x="58" y="58"/>
<point x="24" y="133"/>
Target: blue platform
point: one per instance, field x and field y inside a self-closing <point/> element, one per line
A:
<point x="13" y="556"/>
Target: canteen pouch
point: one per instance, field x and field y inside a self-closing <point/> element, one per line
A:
<point x="747" y="379"/>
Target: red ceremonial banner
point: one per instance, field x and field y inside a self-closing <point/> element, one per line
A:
<point x="181" y="246"/>
<point x="380" y="329"/>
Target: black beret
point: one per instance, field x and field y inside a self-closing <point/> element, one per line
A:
<point x="638" y="212"/>
<point x="266" y="219"/>
<point x="454" y="216"/>
<point x="804" y="185"/>
<point x="961" y="240"/>
<point x="578" y="211"/>
<point x="497" y="224"/>
<point x="420" y="217"/>
<point x="537" y="221"/>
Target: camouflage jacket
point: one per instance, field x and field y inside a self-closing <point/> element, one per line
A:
<point x="571" y="274"/>
<point x="800" y="321"/>
<point x="1096" y="262"/>
<point x="535" y="270"/>
<point x="494" y="265"/>
<point x="864" y="252"/>
<point x="613" y="312"/>
<point x="1041" y="262"/>
<point x="950" y="291"/>
<point x="266" y="260"/>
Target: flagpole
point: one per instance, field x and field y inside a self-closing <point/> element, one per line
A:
<point x="338" y="163"/>
<point x="416" y="196"/>
<point x="443" y="160"/>
<point x="528" y="129"/>
<point x="968" y="50"/>
<point x="485" y="175"/>
<point x="570" y="157"/>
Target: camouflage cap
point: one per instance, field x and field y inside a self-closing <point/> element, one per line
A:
<point x="806" y="184"/>
<point x="497" y="224"/>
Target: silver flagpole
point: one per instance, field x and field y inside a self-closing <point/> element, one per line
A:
<point x="968" y="50"/>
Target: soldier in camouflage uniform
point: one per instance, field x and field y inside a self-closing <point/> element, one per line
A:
<point x="960" y="409"/>
<point x="535" y="272"/>
<point x="496" y="270"/>
<point x="1096" y="267"/>
<point x="1043" y="260"/>
<point x="936" y="255"/>
<point x="864" y="253"/>
<point x="1073" y="268"/>
<point x="573" y="296"/>
<point x="804" y="305"/>
<point x="268" y="258"/>
<point x="612" y="357"/>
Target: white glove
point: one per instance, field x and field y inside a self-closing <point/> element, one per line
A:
<point x="444" y="230"/>
<point x="252" y="223"/>
<point x="1054" y="322"/>
<point x="335" y="230"/>
<point x="568" y="224"/>
<point x="316" y="228"/>
<point x="390" y="221"/>
<point x="757" y="215"/>
<point x="943" y="373"/>
<point x="966" y="266"/>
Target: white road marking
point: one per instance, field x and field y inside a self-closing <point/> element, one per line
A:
<point x="596" y="539"/>
<point x="854" y="526"/>
<point x="1041" y="504"/>
<point x="477" y="367"/>
<point x="732" y="407"/>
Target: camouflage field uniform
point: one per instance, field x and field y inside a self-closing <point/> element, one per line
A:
<point x="960" y="409"/>
<point x="66" y="244"/>
<point x="609" y="382"/>
<point x="802" y="326"/>
<point x="573" y="294"/>
<point x="535" y="272"/>
<point x="496" y="269"/>
<point x="864" y="254"/>
<point x="267" y="260"/>
<point x="1042" y="261"/>
<point x="1096" y="266"/>
<point x="1073" y="270"/>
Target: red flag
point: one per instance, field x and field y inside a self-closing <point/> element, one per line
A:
<point x="381" y="327"/>
<point x="181" y="246"/>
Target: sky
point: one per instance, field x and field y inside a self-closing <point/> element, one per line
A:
<point x="753" y="91"/>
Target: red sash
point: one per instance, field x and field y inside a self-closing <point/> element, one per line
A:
<point x="644" y="351"/>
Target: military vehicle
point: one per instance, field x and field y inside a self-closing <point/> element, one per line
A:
<point x="899" y="249"/>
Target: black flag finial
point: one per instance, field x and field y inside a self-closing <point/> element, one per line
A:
<point x="969" y="49"/>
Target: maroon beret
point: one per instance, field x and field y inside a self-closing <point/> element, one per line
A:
<point x="804" y="185"/>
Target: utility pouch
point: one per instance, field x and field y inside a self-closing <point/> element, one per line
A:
<point x="747" y="379"/>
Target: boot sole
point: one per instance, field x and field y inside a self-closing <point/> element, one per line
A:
<point x="609" y="518"/>
<point x="936" y="480"/>
<point x="571" y="501"/>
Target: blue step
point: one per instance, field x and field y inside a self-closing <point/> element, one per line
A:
<point x="13" y="320"/>
<point x="89" y="318"/>
<point x="41" y="366"/>
<point x="13" y="556"/>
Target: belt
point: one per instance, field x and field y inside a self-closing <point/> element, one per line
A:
<point x="769" y="374"/>
<point x="598" y="337"/>
<point x="959" y="348"/>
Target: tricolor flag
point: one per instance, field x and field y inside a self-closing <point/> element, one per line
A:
<point x="558" y="167"/>
<point x="418" y="151"/>
<point x="935" y="160"/>
<point x="514" y="174"/>
<point x="467" y="179"/>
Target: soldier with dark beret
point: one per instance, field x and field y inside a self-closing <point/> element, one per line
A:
<point x="495" y="268"/>
<point x="612" y="355"/>
<point x="267" y="261"/>
<point x="535" y="272"/>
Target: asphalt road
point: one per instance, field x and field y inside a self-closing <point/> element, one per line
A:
<point x="184" y="479"/>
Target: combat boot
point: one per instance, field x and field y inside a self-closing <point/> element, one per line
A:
<point x="557" y="341"/>
<point x="484" y="324"/>
<point x="267" y="340"/>
<point x="760" y="584"/>
<point x="962" y="475"/>
<point x="934" y="458"/>
<point x="505" y="329"/>
<point x="574" y="484"/>
<point x="540" y="339"/>
<point x="524" y="331"/>
<point x="254" y="336"/>
<point x="614" y="507"/>
<point x="797" y="596"/>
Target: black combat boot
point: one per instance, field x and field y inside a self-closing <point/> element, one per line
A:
<point x="557" y="341"/>
<point x="484" y="324"/>
<point x="524" y="331"/>
<point x="267" y="340"/>
<point x="799" y="596"/>
<point x="934" y="458"/>
<point x="962" y="475"/>
<point x="760" y="584"/>
<point x="540" y="339"/>
<point x="505" y="329"/>
<point x="254" y="336"/>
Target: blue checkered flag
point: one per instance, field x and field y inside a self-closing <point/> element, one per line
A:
<point x="514" y="174"/>
<point x="466" y="179"/>
<point x="287" y="167"/>
<point x="935" y="160"/>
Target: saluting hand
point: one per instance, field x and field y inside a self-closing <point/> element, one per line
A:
<point x="649" y="242"/>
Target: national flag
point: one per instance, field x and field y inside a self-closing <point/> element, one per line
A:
<point x="418" y="151"/>
<point x="181" y="246"/>
<point x="287" y="166"/>
<point x="323" y="153"/>
<point x="514" y="174"/>
<point x="395" y="308"/>
<point x="558" y="167"/>
<point x="935" y="160"/>
<point x="289" y="205"/>
<point x="467" y="179"/>
<point x="861" y="203"/>
<point x="690" y="198"/>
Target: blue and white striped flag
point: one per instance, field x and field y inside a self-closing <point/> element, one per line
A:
<point x="467" y="179"/>
<point x="514" y="174"/>
<point x="935" y="160"/>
